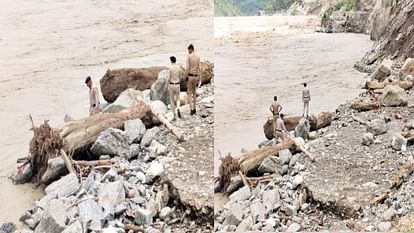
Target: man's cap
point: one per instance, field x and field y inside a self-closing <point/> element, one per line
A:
<point x="191" y="46"/>
<point x="88" y="79"/>
<point x="173" y="59"/>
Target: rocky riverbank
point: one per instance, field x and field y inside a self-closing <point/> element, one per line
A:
<point x="135" y="179"/>
<point x="361" y="179"/>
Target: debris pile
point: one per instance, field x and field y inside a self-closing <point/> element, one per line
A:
<point x="136" y="176"/>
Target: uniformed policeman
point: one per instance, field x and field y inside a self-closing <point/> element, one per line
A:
<point x="305" y="99"/>
<point x="93" y="97"/>
<point x="174" y="87"/>
<point x="280" y="129"/>
<point x="193" y="74"/>
<point x="275" y="108"/>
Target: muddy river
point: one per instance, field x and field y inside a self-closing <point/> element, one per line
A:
<point x="275" y="58"/>
<point x="48" y="47"/>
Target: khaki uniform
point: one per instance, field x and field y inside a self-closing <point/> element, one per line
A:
<point x="305" y="100"/>
<point x="193" y="73"/>
<point x="174" y="87"/>
<point x="280" y="130"/>
<point x="93" y="101"/>
<point x="275" y="108"/>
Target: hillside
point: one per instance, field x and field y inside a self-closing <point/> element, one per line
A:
<point x="250" y="7"/>
<point x="226" y="8"/>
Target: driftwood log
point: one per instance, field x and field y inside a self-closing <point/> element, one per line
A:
<point x="114" y="82"/>
<point x="322" y="120"/>
<point x="361" y="105"/>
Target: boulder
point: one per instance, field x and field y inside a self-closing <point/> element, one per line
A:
<point x="235" y="215"/>
<point x="111" y="142"/>
<point x="367" y="139"/>
<point x="394" y="96"/>
<point x="377" y="127"/>
<point x="383" y="70"/>
<point x="64" y="187"/>
<point x="270" y="164"/>
<point x="398" y="142"/>
<point x="160" y="108"/>
<point x="302" y="129"/>
<point x="149" y="135"/>
<point x="135" y="129"/>
<point x="241" y="194"/>
<point x="53" y="221"/>
<point x="114" y="82"/>
<point x="159" y="89"/>
<point x="407" y="68"/>
<point x="235" y="183"/>
<point x="285" y="156"/>
<point x="125" y="100"/>
<point x="55" y="168"/>
<point x="156" y="169"/>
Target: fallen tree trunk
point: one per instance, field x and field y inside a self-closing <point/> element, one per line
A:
<point x="324" y="119"/>
<point x="361" y="105"/>
<point x="114" y="82"/>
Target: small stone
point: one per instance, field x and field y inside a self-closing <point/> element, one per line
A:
<point x="245" y="225"/>
<point x="121" y="208"/>
<point x="143" y="216"/>
<point x="284" y="170"/>
<point x="294" y="227"/>
<point x="270" y="198"/>
<point x="384" y="226"/>
<point x="135" y="129"/>
<point x="294" y="159"/>
<point x="68" y="118"/>
<point x="398" y="142"/>
<point x="75" y="227"/>
<point x="297" y="181"/>
<point x="271" y="164"/>
<point x="241" y="194"/>
<point x="235" y="215"/>
<point x="156" y="149"/>
<point x="367" y="139"/>
<point x="377" y="127"/>
<point x="388" y="215"/>
<point x="156" y="169"/>
<point x="165" y="213"/>
<point x="313" y="135"/>
<point x="257" y="210"/>
<point x="149" y="135"/>
<point x="89" y="210"/>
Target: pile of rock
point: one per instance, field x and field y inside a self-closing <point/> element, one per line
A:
<point x="132" y="190"/>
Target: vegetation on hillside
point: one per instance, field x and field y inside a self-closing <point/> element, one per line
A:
<point x="226" y="8"/>
<point x="249" y="7"/>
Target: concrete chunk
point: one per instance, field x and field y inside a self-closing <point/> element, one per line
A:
<point x="64" y="187"/>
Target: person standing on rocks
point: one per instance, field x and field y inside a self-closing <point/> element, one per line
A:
<point x="305" y="99"/>
<point x="275" y="108"/>
<point x="280" y="129"/>
<point x="93" y="97"/>
<point x="193" y="74"/>
<point x="174" y="87"/>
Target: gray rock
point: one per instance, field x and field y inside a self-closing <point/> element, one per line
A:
<point x="285" y="156"/>
<point x="53" y="221"/>
<point x="377" y="127"/>
<point x="22" y="175"/>
<point x="300" y="141"/>
<point x="159" y="89"/>
<point x="302" y="129"/>
<point x="143" y="216"/>
<point x="235" y="183"/>
<point x="284" y="170"/>
<point x="149" y="135"/>
<point x="89" y="210"/>
<point x="394" y="96"/>
<point x="55" y="168"/>
<point x="110" y="195"/>
<point x="265" y="143"/>
<point x="297" y="181"/>
<point x="125" y="100"/>
<point x="75" y="227"/>
<point x="245" y="225"/>
<point x="294" y="227"/>
<point x="291" y="210"/>
<point x="159" y="107"/>
<point x="111" y="142"/>
<point x="156" y="169"/>
<point x="270" y="198"/>
<point x="68" y="118"/>
<point x="165" y="213"/>
<point x="64" y="187"/>
<point x="235" y="215"/>
<point x="135" y="129"/>
<point x="388" y="215"/>
<point x="398" y="142"/>
<point x="384" y="226"/>
<point x="134" y="151"/>
<point x="367" y="139"/>
<point x="271" y="164"/>
<point x="257" y="210"/>
<point x="241" y="194"/>
<point x="156" y="149"/>
<point x="313" y="135"/>
<point x="293" y="160"/>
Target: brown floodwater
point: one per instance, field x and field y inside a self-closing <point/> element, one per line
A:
<point x="48" y="47"/>
<point x="251" y="66"/>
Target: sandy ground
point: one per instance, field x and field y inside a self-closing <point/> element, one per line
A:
<point x="49" y="47"/>
<point x="252" y="67"/>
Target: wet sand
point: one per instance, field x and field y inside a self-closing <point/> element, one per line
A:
<point x="252" y="67"/>
<point x="49" y="47"/>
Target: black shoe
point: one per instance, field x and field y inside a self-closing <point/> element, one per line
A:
<point x="178" y="113"/>
<point x="192" y="112"/>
